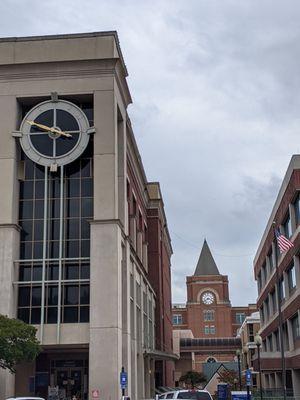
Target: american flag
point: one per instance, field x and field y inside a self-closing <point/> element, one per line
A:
<point x="284" y="244"/>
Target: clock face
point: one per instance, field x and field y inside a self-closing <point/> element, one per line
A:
<point x="54" y="132"/>
<point x="208" y="298"/>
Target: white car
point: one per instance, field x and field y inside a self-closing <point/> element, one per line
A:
<point x="187" y="394"/>
<point x="25" y="398"/>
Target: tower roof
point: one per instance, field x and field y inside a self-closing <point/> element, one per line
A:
<point x="206" y="264"/>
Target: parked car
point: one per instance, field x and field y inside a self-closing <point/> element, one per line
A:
<point x="186" y="394"/>
<point x="25" y="398"/>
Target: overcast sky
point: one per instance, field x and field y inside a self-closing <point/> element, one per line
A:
<point x="216" y="108"/>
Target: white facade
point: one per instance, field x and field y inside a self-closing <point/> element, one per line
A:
<point x="79" y="68"/>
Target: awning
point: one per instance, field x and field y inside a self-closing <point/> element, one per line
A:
<point x="160" y="355"/>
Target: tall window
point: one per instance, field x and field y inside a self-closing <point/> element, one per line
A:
<point x="297" y="209"/>
<point x="276" y="340"/>
<point x="240" y="317"/>
<point x="43" y="246"/>
<point x="281" y="289"/>
<point x="295" y="327"/>
<point x="292" y="277"/>
<point x="209" y="315"/>
<point x="259" y="282"/>
<point x="288" y="227"/>
<point x="262" y="314"/>
<point x="267" y="313"/>
<point x="264" y="275"/>
<point x="270" y="343"/>
<point x="270" y="259"/>
<point x="206" y="330"/>
<point x="177" y="319"/>
<point x="273" y="301"/>
<point x="250" y="333"/>
<point x="286" y="343"/>
<point x="212" y="330"/>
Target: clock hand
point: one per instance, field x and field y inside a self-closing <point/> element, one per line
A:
<point x="48" y="129"/>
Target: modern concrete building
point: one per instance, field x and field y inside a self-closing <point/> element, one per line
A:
<point x="207" y="323"/>
<point x="83" y="234"/>
<point x="286" y="214"/>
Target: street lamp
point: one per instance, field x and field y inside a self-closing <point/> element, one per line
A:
<point x="238" y="354"/>
<point x="235" y="381"/>
<point x="258" y="342"/>
<point x="245" y="351"/>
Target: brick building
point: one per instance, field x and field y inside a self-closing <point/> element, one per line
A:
<point x="286" y="214"/>
<point x="250" y="327"/>
<point x="85" y="249"/>
<point x="206" y="326"/>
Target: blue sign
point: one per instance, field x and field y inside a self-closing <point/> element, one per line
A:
<point x="239" y="395"/>
<point x="248" y="375"/>
<point x="123" y="380"/>
<point x="222" y="391"/>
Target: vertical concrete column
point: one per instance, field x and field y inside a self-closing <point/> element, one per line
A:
<point x="105" y="352"/>
<point x="122" y="173"/>
<point x="9" y="232"/>
<point x="126" y="338"/>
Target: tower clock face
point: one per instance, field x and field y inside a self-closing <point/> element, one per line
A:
<point x="208" y="298"/>
<point x="54" y="132"/>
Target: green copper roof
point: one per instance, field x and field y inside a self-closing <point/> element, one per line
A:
<point x="206" y="264"/>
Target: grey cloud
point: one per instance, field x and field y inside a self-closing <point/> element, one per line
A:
<point x="216" y="111"/>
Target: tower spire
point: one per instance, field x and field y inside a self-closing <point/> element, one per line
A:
<point x="206" y="264"/>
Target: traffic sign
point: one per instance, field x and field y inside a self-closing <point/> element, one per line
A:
<point x="123" y="380"/>
<point x="222" y="391"/>
<point x="248" y="375"/>
<point x="95" y="394"/>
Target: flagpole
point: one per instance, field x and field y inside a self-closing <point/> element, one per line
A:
<point x="283" y="366"/>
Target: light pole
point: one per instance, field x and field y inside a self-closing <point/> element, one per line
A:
<point x="245" y="351"/>
<point x="258" y="342"/>
<point x="238" y="354"/>
<point x="235" y="381"/>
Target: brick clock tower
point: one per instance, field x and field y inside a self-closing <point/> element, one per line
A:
<point x="205" y="327"/>
<point x="208" y="308"/>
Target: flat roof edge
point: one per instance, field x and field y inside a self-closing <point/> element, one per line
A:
<point x="18" y="39"/>
<point x="59" y="36"/>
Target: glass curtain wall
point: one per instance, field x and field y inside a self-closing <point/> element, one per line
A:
<point x="55" y="240"/>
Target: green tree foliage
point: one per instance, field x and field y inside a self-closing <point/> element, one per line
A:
<point x="17" y="343"/>
<point x="230" y="377"/>
<point x="193" y="378"/>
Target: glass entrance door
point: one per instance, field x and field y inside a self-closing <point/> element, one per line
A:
<point x="70" y="383"/>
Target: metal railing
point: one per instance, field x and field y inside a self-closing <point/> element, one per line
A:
<point x="274" y="393"/>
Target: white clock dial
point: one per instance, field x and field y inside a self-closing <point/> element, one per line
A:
<point x="208" y="298"/>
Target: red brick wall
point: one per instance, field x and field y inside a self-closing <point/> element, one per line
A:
<point x="195" y="307"/>
<point x="160" y="279"/>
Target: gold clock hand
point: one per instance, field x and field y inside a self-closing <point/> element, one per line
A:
<point x="48" y="129"/>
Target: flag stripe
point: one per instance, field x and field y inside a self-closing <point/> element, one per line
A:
<point x="284" y="244"/>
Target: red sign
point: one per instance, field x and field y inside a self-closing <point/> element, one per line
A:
<point x="95" y="394"/>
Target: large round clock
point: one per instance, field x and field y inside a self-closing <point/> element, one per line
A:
<point x="208" y="298"/>
<point x="54" y="133"/>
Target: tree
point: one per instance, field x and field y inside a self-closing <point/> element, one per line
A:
<point x="230" y="377"/>
<point x="17" y="343"/>
<point x="193" y="378"/>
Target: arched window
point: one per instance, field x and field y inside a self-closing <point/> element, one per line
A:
<point x="211" y="360"/>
